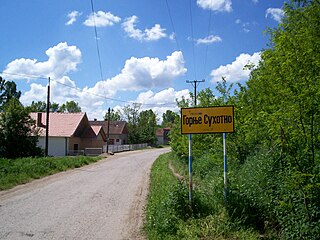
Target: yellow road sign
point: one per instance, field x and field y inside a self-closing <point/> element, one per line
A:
<point x="207" y="120"/>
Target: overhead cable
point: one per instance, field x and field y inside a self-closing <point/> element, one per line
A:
<point x="172" y="25"/>
<point x="192" y="37"/>
<point x="207" y="45"/>
<point x="97" y="40"/>
<point x="88" y="92"/>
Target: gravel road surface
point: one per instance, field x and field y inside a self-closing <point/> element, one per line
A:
<point x="102" y="201"/>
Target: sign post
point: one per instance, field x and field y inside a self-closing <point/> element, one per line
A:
<point x="190" y="168"/>
<point x="208" y="120"/>
<point x="225" y="167"/>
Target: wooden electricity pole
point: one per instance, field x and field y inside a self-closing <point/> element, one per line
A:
<point x="194" y="83"/>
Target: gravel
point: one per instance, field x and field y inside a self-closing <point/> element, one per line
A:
<point x="102" y="201"/>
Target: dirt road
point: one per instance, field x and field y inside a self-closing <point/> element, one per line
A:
<point x="101" y="201"/>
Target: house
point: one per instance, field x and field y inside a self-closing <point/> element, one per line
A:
<point x="162" y="135"/>
<point x="118" y="131"/>
<point x="68" y="133"/>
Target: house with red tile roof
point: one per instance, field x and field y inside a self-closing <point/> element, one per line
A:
<point x="162" y="135"/>
<point x="68" y="133"/>
<point x="118" y="131"/>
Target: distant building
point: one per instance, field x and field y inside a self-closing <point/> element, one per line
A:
<point x="68" y="133"/>
<point x="118" y="131"/>
<point x="162" y="135"/>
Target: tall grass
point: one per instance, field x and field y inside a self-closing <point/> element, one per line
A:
<point x="23" y="170"/>
<point x="168" y="212"/>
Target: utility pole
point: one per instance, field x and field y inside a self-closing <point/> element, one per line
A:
<point x="194" y="83"/>
<point x="47" y="120"/>
<point x="108" y="134"/>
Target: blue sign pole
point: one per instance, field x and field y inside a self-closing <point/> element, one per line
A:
<point x="225" y="166"/>
<point x="190" y="168"/>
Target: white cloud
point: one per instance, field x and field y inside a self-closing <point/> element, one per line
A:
<point x="93" y="105"/>
<point x="159" y="102"/>
<point x="275" y="13"/>
<point x="235" y="71"/>
<point x="72" y="17"/>
<point x="137" y="74"/>
<point x="62" y="59"/>
<point x="145" y="73"/>
<point x="101" y="19"/>
<point x="166" y="98"/>
<point x="255" y="1"/>
<point x="208" y="40"/>
<point x="162" y="101"/>
<point x="59" y="92"/>
<point x="216" y="5"/>
<point x="244" y="25"/>
<point x="153" y="34"/>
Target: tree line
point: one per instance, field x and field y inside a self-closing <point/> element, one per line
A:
<point x="19" y="136"/>
<point x="142" y="124"/>
<point x="275" y="150"/>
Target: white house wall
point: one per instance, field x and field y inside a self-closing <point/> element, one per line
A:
<point x="57" y="146"/>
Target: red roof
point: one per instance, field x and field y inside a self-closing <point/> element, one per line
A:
<point x="161" y="131"/>
<point x="115" y="128"/>
<point x="96" y="129"/>
<point x="61" y="124"/>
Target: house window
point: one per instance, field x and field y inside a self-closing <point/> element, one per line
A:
<point x="117" y="140"/>
<point x="76" y="147"/>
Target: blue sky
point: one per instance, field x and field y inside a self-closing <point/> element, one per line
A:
<point x="148" y="48"/>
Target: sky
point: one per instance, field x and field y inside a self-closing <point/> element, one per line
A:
<point x="148" y="48"/>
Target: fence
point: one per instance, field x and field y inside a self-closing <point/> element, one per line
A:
<point x="75" y="152"/>
<point x="111" y="148"/>
<point x="122" y="148"/>
<point x="92" y="151"/>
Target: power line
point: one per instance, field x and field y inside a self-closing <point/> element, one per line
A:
<point x="113" y="99"/>
<point x="207" y="46"/>
<point x="24" y="75"/>
<point x="88" y="92"/>
<point x="192" y="37"/>
<point x="96" y="36"/>
<point x="172" y="25"/>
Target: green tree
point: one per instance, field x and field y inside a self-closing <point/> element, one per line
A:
<point x="41" y="106"/>
<point x="8" y="90"/>
<point x="147" y="123"/>
<point x="54" y="107"/>
<point x="168" y="118"/>
<point x="18" y="135"/>
<point x="131" y="114"/>
<point x="70" y="107"/>
<point x="114" y="115"/>
<point x="279" y="116"/>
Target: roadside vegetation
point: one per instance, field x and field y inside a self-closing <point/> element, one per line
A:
<point x="274" y="154"/>
<point x="22" y="170"/>
<point x="168" y="212"/>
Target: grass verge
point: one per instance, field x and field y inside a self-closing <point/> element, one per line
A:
<point x="23" y="170"/>
<point x="168" y="212"/>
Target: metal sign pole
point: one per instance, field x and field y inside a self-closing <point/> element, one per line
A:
<point x="225" y="166"/>
<point x="190" y="168"/>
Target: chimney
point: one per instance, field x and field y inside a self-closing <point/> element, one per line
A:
<point x="39" y="118"/>
<point x="95" y="119"/>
